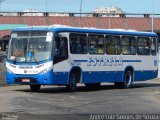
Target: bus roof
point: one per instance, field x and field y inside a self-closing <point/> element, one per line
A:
<point x="63" y="28"/>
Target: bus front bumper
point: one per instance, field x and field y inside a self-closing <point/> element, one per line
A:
<point x="48" y="78"/>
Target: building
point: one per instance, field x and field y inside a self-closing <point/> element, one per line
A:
<point x="31" y="12"/>
<point x="58" y="14"/>
<point x="107" y="12"/>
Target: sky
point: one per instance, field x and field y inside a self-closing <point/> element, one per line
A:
<point x="128" y="6"/>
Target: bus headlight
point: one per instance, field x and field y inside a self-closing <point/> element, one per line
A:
<point x="9" y="71"/>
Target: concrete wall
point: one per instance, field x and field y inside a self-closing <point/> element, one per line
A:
<point x="2" y="72"/>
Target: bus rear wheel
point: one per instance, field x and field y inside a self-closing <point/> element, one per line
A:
<point x="35" y="88"/>
<point x="127" y="80"/>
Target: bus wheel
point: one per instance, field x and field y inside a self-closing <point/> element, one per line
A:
<point x="92" y="85"/>
<point x="35" y="88"/>
<point x="72" y="86"/>
<point x="127" y="80"/>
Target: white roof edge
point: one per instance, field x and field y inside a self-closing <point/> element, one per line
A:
<point x="66" y="26"/>
<point x="58" y="25"/>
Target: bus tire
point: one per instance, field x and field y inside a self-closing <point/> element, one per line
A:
<point x="92" y="85"/>
<point x="72" y="86"/>
<point x="35" y="88"/>
<point x="127" y="80"/>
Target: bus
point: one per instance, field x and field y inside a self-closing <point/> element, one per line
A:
<point x="64" y="55"/>
<point x="159" y="63"/>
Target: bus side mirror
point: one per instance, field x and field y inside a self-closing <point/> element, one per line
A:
<point x="12" y="58"/>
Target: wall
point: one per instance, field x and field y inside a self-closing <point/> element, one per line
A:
<point x="2" y="71"/>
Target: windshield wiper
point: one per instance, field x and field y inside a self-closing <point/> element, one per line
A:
<point x="15" y="61"/>
<point x="35" y="59"/>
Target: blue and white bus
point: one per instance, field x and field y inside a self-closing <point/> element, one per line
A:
<point x="63" y="55"/>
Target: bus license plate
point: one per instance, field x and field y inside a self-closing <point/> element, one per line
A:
<point x="25" y="80"/>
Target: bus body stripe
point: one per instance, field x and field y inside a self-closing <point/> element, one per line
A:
<point x="131" y="60"/>
<point x="124" y="61"/>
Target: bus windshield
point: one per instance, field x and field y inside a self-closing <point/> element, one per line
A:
<point x="28" y="46"/>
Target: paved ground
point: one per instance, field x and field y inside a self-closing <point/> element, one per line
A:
<point x="142" y="98"/>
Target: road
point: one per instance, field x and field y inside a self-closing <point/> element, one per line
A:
<point x="56" y="102"/>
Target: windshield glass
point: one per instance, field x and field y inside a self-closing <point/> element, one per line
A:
<point x="32" y="46"/>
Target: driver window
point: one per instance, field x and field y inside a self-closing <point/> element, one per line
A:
<point x="60" y="48"/>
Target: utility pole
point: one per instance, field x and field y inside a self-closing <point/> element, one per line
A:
<point x="153" y="16"/>
<point x="81" y="7"/>
<point x="80" y="12"/>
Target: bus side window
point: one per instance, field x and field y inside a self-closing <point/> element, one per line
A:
<point x="96" y="44"/>
<point x="153" y="46"/>
<point x="60" y="49"/>
<point x="109" y="49"/>
<point x="78" y="43"/>
<point x="128" y="44"/>
<point x="143" y="46"/>
<point x="113" y="45"/>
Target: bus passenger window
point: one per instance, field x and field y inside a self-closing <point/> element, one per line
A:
<point x="128" y="45"/>
<point x="100" y="46"/>
<point x="143" y="46"/>
<point x="78" y="43"/>
<point x="113" y="45"/>
<point x="109" y="49"/>
<point x="96" y="44"/>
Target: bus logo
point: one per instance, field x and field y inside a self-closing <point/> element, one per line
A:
<point x="104" y="61"/>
